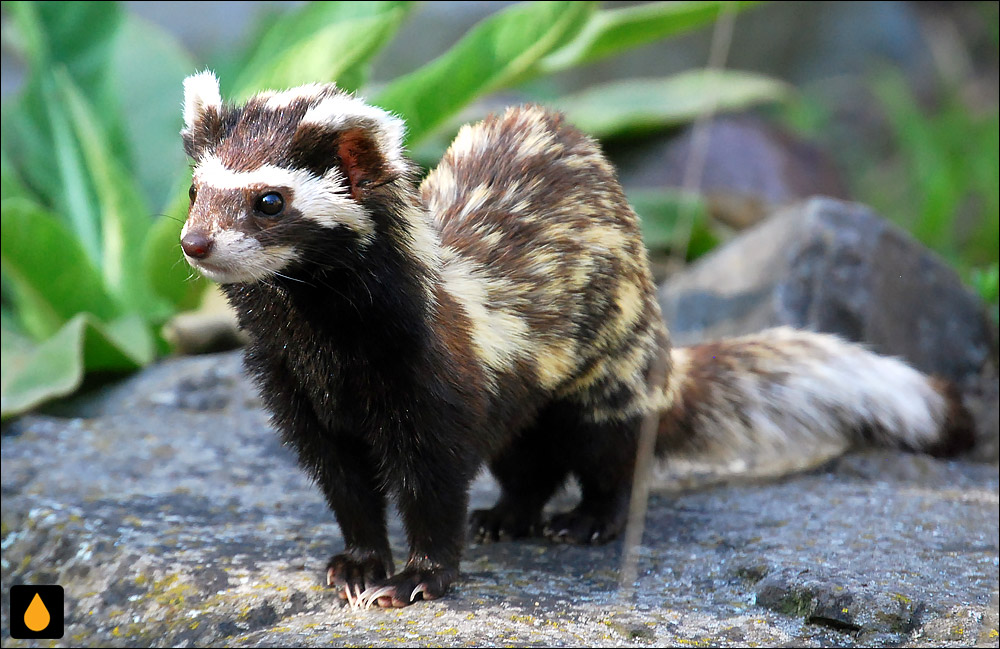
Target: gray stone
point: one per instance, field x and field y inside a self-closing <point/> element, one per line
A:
<point x="172" y="515"/>
<point x="832" y="266"/>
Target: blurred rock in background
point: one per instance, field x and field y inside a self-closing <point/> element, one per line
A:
<point x="752" y="167"/>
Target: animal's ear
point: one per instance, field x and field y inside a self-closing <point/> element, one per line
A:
<point x="364" y="142"/>
<point x="202" y="113"/>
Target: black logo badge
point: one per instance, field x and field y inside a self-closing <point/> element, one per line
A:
<point x="36" y="612"/>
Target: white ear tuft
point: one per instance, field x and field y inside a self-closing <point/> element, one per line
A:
<point x="201" y="92"/>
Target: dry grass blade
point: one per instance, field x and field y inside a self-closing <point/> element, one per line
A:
<point x="722" y="37"/>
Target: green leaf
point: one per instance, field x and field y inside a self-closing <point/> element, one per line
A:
<point x="50" y="275"/>
<point x="150" y="67"/>
<point x="323" y="41"/>
<point x="75" y="203"/>
<point x="27" y="36"/>
<point x="934" y="172"/>
<point x="662" y="210"/>
<point x="29" y="145"/>
<point x="124" y="216"/>
<point x="34" y="374"/>
<point x="642" y="105"/>
<point x="11" y="185"/>
<point x="983" y="160"/>
<point x="121" y="344"/>
<point x="614" y="31"/>
<point x="986" y="282"/>
<point x="77" y="34"/>
<point x="496" y="52"/>
<point x="14" y="343"/>
<point x="942" y="182"/>
<point x="76" y="37"/>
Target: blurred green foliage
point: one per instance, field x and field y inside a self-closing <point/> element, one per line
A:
<point x="935" y="172"/>
<point x="94" y="177"/>
<point x="943" y="184"/>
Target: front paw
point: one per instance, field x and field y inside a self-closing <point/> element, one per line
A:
<point x="352" y="571"/>
<point x="409" y="586"/>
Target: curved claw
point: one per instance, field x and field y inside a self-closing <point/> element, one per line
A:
<point x="372" y="595"/>
<point x="421" y="588"/>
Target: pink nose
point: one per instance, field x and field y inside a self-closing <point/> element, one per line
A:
<point x="196" y="245"/>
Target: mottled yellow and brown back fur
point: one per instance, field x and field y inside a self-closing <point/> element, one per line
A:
<point x="544" y="257"/>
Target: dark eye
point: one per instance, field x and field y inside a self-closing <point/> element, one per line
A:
<point x="193" y="193"/>
<point x="270" y="204"/>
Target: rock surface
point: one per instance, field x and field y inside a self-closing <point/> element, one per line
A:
<point x="832" y="266"/>
<point x="171" y="514"/>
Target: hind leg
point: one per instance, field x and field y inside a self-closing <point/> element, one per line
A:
<point x="610" y="412"/>
<point x="603" y="459"/>
<point x="529" y="471"/>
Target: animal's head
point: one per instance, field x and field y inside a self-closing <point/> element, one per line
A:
<point x="283" y="177"/>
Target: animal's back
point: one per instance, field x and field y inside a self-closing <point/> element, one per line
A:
<point x="543" y="249"/>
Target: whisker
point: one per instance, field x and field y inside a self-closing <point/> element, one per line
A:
<point x="169" y="216"/>
<point x="293" y="279"/>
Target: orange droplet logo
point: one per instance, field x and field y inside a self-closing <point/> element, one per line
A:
<point x="37" y="616"/>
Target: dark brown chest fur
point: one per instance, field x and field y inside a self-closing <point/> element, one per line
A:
<point x="354" y="375"/>
<point x="386" y="378"/>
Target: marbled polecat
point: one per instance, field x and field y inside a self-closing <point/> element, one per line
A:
<point x="501" y="311"/>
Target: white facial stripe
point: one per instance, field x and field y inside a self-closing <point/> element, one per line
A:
<point x="322" y="200"/>
<point x="210" y="171"/>
<point x="201" y="91"/>
<point x="341" y="110"/>
<point x="344" y="111"/>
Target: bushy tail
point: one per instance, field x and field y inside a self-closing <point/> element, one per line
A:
<point x="786" y="388"/>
